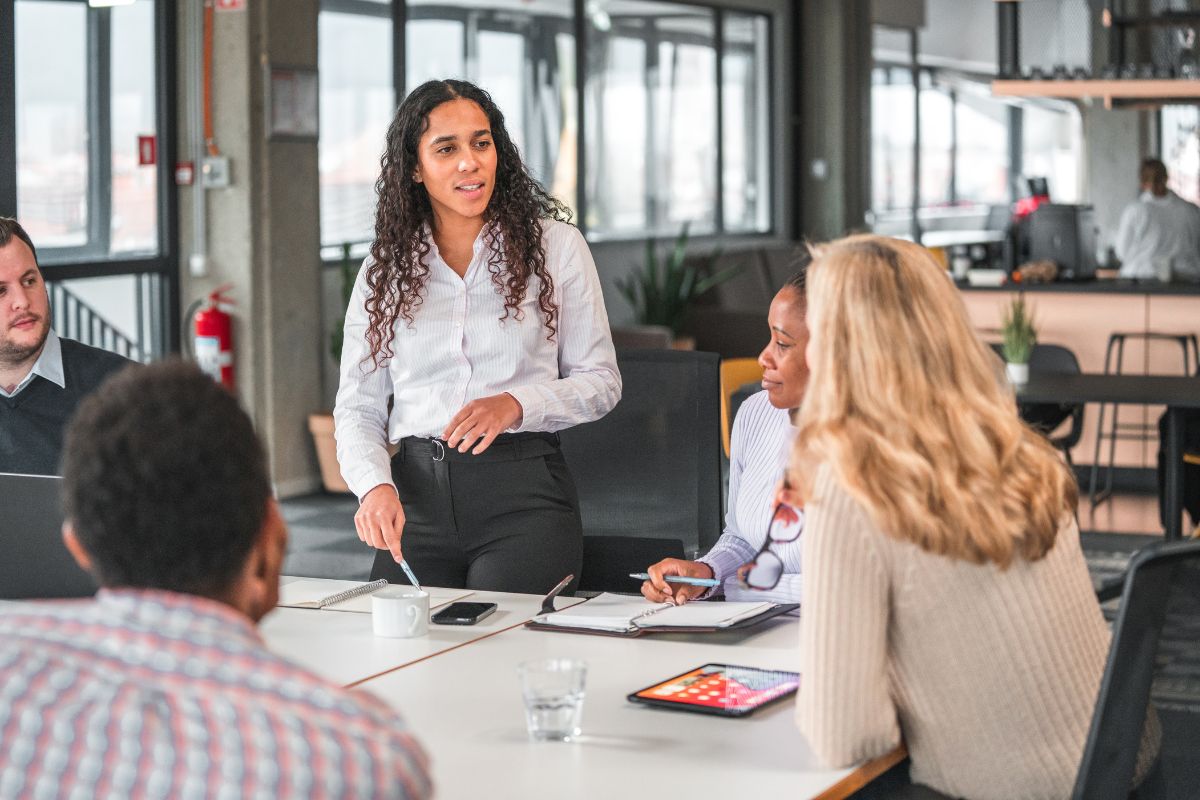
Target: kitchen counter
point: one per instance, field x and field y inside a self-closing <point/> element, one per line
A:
<point x="1099" y="286"/>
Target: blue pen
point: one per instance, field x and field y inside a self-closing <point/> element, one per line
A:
<point x="411" y="577"/>
<point x="643" y="576"/>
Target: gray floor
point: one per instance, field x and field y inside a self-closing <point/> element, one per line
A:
<point x="322" y="541"/>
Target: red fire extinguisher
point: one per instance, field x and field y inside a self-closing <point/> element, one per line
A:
<point x="212" y="340"/>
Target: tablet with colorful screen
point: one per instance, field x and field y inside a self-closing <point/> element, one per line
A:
<point x="723" y="689"/>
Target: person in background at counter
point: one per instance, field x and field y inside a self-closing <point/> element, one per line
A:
<point x="42" y="377"/>
<point x="760" y="446"/>
<point x="1159" y="234"/>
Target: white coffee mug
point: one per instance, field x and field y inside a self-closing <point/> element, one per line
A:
<point x="400" y="612"/>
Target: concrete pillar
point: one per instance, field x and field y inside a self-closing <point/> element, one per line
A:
<point x="835" y="112"/>
<point x="263" y="232"/>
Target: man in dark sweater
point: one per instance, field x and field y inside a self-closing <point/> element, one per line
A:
<point x="42" y="377"/>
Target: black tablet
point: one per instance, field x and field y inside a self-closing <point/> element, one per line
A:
<point x="724" y="689"/>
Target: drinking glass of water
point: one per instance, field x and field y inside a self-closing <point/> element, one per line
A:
<point x="553" y="692"/>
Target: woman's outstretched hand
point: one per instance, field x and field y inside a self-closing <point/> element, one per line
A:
<point x="480" y="421"/>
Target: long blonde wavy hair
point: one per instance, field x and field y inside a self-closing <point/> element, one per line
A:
<point x="909" y="408"/>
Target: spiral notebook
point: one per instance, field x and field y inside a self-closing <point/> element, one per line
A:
<point x="625" y="615"/>
<point x="333" y="595"/>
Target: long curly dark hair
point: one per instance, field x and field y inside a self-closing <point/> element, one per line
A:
<point x="512" y="220"/>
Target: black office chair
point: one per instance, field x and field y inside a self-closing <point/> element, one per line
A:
<point x="1154" y="658"/>
<point x="652" y="466"/>
<point x="1047" y="417"/>
<point x="642" y="337"/>
<point x="609" y="560"/>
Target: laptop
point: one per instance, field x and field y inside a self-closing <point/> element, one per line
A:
<point x="34" y="562"/>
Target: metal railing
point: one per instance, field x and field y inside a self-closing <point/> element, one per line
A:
<point x="75" y="319"/>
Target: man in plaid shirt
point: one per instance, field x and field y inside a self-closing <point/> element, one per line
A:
<point x="160" y="687"/>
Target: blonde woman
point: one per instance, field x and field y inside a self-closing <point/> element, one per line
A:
<point x="947" y="599"/>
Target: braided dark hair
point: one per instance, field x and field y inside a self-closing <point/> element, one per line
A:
<point x="514" y="214"/>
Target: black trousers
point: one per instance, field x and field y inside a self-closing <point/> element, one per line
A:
<point x="505" y="520"/>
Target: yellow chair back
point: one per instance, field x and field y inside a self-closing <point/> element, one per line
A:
<point x="735" y="372"/>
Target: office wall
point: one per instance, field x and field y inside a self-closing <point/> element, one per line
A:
<point x="262" y="231"/>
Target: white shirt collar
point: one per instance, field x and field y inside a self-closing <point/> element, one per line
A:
<point x="49" y="365"/>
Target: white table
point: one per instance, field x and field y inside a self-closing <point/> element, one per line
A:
<point x="465" y="707"/>
<point x="340" y="646"/>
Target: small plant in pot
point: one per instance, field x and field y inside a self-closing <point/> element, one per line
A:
<point x="1020" y="336"/>
<point x="663" y="290"/>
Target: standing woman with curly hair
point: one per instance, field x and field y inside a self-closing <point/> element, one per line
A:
<point x="475" y="331"/>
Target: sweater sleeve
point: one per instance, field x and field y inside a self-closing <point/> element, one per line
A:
<point x="844" y="710"/>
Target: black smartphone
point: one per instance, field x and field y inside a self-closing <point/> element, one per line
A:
<point x="724" y="689"/>
<point x="462" y="613"/>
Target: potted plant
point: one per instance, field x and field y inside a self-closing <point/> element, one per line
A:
<point x="1020" y="336"/>
<point x="320" y="424"/>
<point x="663" y="290"/>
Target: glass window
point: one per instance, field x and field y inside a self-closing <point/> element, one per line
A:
<point x="745" y="123"/>
<point x="434" y="47"/>
<point x="981" y="148"/>
<point x="660" y="57"/>
<point x="134" y="221"/>
<point x="357" y="103"/>
<point x="964" y="143"/>
<point x="85" y="95"/>
<point x="1181" y="150"/>
<point x="1052" y="146"/>
<point x="684" y="162"/>
<point x="616" y="157"/>
<point x="892" y="139"/>
<point x="937" y="135"/>
<point x="523" y="54"/>
<point x="53" y="162"/>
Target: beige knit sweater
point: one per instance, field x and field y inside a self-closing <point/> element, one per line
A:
<point x="991" y="675"/>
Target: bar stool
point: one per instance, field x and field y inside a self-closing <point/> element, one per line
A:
<point x="1130" y="430"/>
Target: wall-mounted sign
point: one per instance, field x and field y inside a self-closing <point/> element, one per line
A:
<point x="291" y="102"/>
<point x="185" y="173"/>
<point x="147" y="151"/>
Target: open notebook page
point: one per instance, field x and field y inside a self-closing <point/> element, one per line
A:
<point x="702" y="615"/>
<point x="301" y="593"/>
<point x="614" y="612"/>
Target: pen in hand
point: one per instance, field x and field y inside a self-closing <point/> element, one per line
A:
<point x="411" y="577"/>
<point x="644" y="576"/>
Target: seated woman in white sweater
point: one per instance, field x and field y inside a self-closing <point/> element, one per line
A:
<point x="946" y="596"/>
<point x="759" y="447"/>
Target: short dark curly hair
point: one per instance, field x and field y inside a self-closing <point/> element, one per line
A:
<point x="165" y="481"/>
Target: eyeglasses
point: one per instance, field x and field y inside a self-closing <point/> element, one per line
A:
<point x="766" y="568"/>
